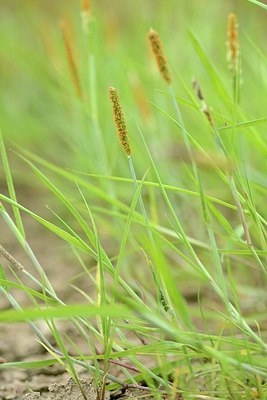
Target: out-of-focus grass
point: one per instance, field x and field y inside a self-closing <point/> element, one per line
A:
<point x="38" y="106"/>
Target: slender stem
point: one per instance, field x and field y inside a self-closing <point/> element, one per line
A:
<point x="127" y="366"/>
<point x="240" y="212"/>
<point x="140" y="199"/>
<point x="161" y="295"/>
<point x="11" y="259"/>
<point x="234" y="313"/>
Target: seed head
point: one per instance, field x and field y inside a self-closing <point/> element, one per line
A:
<point x="85" y="6"/>
<point x="70" y="57"/>
<point x="119" y="120"/>
<point x="197" y="88"/>
<point x="204" y="108"/>
<point x="85" y="15"/>
<point x="233" y="42"/>
<point x="161" y="59"/>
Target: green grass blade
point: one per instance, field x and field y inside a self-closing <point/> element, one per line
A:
<point x="258" y="3"/>
<point x="211" y="69"/>
<point x="10" y="185"/>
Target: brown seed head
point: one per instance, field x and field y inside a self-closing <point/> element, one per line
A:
<point x="70" y="57"/>
<point x="205" y="109"/>
<point x="197" y="88"/>
<point x="158" y="51"/>
<point x="233" y="42"/>
<point x="119" y="120"/>
<point x="85" y="6"/>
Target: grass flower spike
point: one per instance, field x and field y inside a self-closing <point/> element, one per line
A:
<point x="161" y="59"/>
<point x="71" y="58"/>
<point x="85" y="15"/>
<point x="233" y="43"/>
<point x="119" y="120"/>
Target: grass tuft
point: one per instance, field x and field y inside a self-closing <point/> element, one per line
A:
<point x="149" y="276"/>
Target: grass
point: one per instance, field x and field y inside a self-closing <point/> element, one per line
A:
<point x="173" y="245"/>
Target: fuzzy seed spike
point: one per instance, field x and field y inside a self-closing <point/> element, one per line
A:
<point x="233" y="43"/>
<point x="161" y="59"/>
<point x="119" y="120"/>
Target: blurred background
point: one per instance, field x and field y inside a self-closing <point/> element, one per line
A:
<point x="39" y="109"/>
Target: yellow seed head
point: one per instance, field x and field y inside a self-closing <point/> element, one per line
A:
<point x="233" y="42"/>
<point x="161" y="59"/>
<point x="119" y="120"/>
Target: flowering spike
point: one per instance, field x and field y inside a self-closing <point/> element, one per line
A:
<point x="85" y="6"/>
<point x="85" y="15"/>
<point x="70" y="57"/>
<point x="119" y="120"/>
<point x="233" y="43"/>
<point x="161" y="59"/>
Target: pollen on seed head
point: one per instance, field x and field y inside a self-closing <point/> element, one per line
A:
<point x="119" y="120"/>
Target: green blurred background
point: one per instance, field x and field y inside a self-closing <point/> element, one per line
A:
<point x="38" y="105"/>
